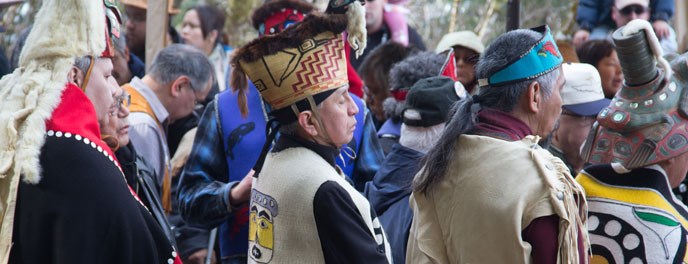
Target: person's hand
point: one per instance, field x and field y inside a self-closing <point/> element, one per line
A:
<point x="242" y="191"/>
<point x="580" y="37"/>
<point x="198" y="257"/>
<point x="661" y="28"/>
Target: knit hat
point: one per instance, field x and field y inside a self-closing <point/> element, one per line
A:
<point x="466" y="39"/>
<point x="621" y="4"/>
<point x="647" y="121"/>
<point x="582" y="93"/>
<point x="429" y="100"/>
<point x="274" y="16"/>
<point x="143" y="4"/>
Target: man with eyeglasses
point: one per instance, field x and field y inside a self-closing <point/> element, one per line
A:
<point x="624" y="11"/>
<point x="594" y="18"/>
<point x="179" y="77"/>
<point x="582" y="99"/>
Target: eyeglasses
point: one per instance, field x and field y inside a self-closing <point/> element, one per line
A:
<point x="637" y="9"/>
<point x="124" y="100"/>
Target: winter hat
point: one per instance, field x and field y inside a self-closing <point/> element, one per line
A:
<point x="647" y="121"/>
<point x="582" y="93"/>
<point x="429" y="100"/>
<point x="466" y="39"/>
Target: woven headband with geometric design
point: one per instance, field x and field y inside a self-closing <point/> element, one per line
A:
<point x="539" y="60"/>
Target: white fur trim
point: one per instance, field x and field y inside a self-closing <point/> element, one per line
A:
<point x="356" y="28"/>
<point x="63" y="30"/>
<point x="637" y="25"/>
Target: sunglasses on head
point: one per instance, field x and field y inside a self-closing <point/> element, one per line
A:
<point x="637" y="9"/>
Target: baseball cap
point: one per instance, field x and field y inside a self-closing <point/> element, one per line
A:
<point x="621" y="4"/>
<point x="582" y="94"/>
<point x="429" y="100"/>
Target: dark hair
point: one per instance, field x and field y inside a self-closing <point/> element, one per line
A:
<point x="376" y="67"/>
<point x="211" y="18"/>
<point x="504" y="49"/>
<point x="593" y="51"/>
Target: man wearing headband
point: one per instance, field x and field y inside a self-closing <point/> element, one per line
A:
<point x="229" y="145"/>
<point x="639" y="148"/>
<point x="487" y="192"/>
<point x="303" y="210"/>
<point x="65" y="199"/>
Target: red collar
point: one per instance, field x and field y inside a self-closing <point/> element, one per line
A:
<point x="75" y="115"/>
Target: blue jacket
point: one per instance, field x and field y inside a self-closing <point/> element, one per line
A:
<point x="388" y="194"/>
<point x="593" y="13"/>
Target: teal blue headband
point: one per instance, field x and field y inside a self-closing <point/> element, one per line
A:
<point x="542" y="58"/>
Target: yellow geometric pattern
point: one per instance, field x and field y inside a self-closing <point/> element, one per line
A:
<point x="290" y="75"/>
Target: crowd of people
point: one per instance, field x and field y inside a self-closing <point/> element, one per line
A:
<point x="336" y="137"/>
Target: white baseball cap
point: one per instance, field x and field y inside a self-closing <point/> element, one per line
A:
<point x="582" y="94"/>
<point x="465" y="38"/>
<point x="621" y="4"/>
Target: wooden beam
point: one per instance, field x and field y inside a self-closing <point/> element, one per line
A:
<point x="681" y="25"/>
<point x="156" y="28"/>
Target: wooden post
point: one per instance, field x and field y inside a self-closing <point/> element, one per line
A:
<point x="681" y="23"/>
<point x="454" y="13"/>
<point x="156" y="28"/>
<point x="512" y="15"/>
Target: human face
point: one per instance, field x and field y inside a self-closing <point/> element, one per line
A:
<point x="611" y="75"/>
<point x="192" y="34"/>
<point x="120" y="68"/>
<point x="101" y="87"/>
<point x="550" y="108"/>
<point x="121" y="123"/>
<point x="186" y="100"/>
<point x="373" y="15"/>
<point x="116" y="123"/>
<point x="569" y="137"/>
<point x="465" y="63"/>
<point x="625" y="15"/>
<point x="136" y="29"/>
<point x="337" y="116"/>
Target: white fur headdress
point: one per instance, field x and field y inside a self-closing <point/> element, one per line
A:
<point x="63" y="30"/>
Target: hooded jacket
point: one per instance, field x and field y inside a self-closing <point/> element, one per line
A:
<point x="388" y="194"/>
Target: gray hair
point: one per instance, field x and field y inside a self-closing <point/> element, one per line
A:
<point x="82" y="63"/>
<point x="120" y="43"/>
<point x="506" y="48"/>
<point x="420" y="139"/>
<point x="406" y="73"/>
<point x="177" y="60"/>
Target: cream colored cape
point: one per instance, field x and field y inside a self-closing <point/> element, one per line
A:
<point x="493" y="189"/>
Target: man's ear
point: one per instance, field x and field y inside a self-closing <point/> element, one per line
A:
<point x="532" y="97"/>
<point x="178" y="85"/>
<point x="306" y="122"/>
<point x="75" y="76"/>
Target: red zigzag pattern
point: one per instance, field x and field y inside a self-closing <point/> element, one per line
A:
<point x="320" y="66"/>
